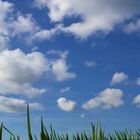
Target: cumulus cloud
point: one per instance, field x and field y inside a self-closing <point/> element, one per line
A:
<point x="106" y="99"/>
<point x="5" y="8"/>
<point x="18" y="71"/>
<point x="23" y="24"/>
<point x="42" y="35"/>
<point x="14" y="23"/>
<point x="136" y="100"/>
<point x="66" y="89"/>
<point x="11" y="105"/>
<point x="60" y="70"/>
<point x="118" y="77"/>
<point x="59" y="67"/>
<point x="65" y="104"/>
<point x="95" y="15"/>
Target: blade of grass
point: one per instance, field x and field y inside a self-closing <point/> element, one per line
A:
<point x="28" y="124"/>
<point x="1" y="131"/>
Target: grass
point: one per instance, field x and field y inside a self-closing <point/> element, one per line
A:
<point x="97" y="133"/>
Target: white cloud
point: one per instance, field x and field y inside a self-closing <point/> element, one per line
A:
<point x="66" y="89"/>
<point x="65" y="104"/>
<point x="118" y="77"/>
<point x="60" y="70"/>
<point x="44" y="34"/>
<point x="35" y="48"/>
<point x="14" y="23"/>
<point x="18" y="71"/>
<point x="106" y="99"/>
<point x="5" y="8"/>
<point x="12" y="105"/>
<point x="40" y="3"/>
<point x="133" y="27"/>
<point x="90" y="64"/>
<point x="136" y="100"/>
<point x="138" y="81"/>
<point x="59" y="67"/>
<point x="58" y="53"/>
<point x="23" y="24"/>
<point x="96" y="15"/>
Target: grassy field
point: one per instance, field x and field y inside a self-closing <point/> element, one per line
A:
<point x="97" y="133"/>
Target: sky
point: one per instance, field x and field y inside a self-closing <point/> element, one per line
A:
<point x="74" y="62"/>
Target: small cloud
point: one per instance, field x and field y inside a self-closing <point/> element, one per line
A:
<point x="106" y="99"/>
<point x="65" y="104"/>
<point x="90" y="64"/>
<point x="66" y="89"/>
<point x="136" y="100"/>
<point x="60" y="70"/>
<point x="43" y="34"/>
<point x="118" y="77"/>
<point x="133" y="27"/>
<point x="82" y="115"/>
<point x="138" y="81"/>
<point x="61" y="54"/>
<point x="35" y="48"/>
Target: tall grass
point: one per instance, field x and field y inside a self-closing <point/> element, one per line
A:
<point x="97" y="133"/>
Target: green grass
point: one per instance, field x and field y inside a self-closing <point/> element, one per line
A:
<point x="97" y="133"/>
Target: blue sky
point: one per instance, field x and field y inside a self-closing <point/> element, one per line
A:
<point x="74" y="62"/>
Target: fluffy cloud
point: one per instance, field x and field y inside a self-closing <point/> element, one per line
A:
<point x="65" y="104"/>
<point x="18" y="71"/>
<point x="60" y="70"/>
<point x="106" y="99"/>
<point x="12" y="105"/>
<point x="66" y="89"/>
<point x="95" y="15"/>
<point x="136" y="101"/>
<point x="14" y="23"/>
<point x="43" y="34"/>
<point x="59" y="67"/>
<point x="23" y="24"/>
<point x="118" y="77"/>
<point x="5" y="8"/>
